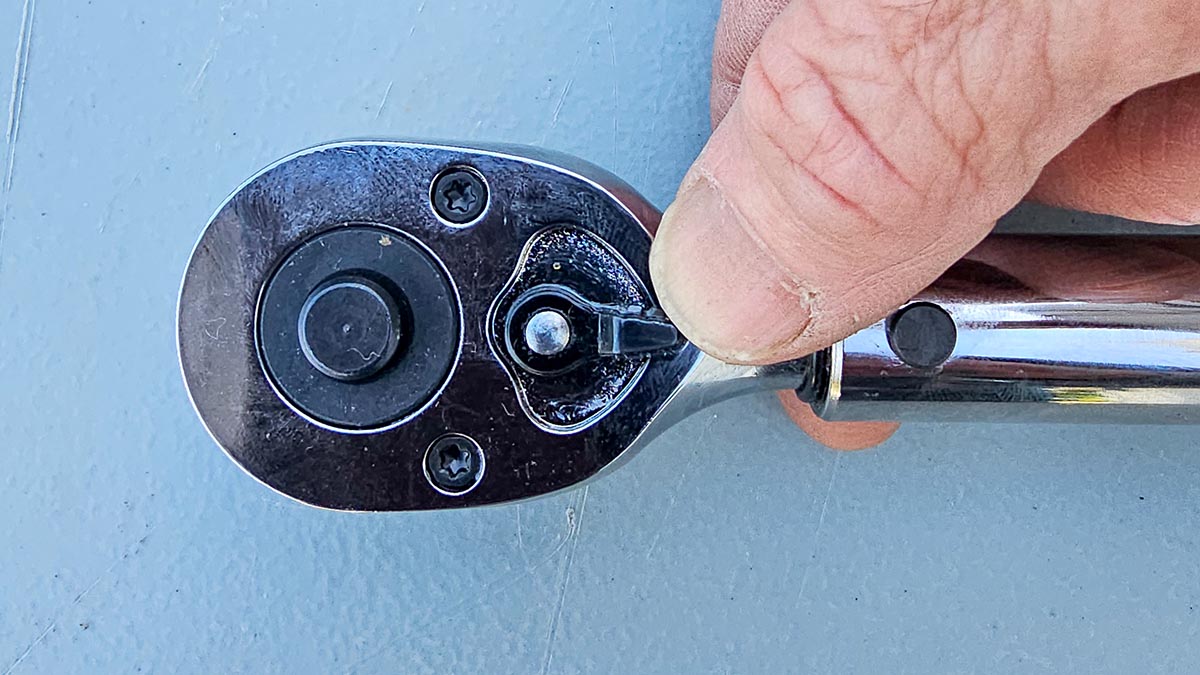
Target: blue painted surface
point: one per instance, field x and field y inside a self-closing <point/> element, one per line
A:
<point x="732" y="544"/>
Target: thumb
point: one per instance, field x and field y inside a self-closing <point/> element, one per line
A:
<point x="873" y="145"/>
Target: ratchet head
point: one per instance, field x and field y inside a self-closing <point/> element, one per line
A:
<point x="388" y="326"/>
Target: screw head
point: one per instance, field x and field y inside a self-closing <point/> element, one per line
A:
<point x="459" y="195"/>
<point x="454" y="464"/>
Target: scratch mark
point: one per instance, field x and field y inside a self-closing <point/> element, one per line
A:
<point x="492" y="587"/>
<point x="653" y="129"/>
<point x="199" y="79"/>
<point x="386" y="93"/>
<point x="17" y="94"/>
<point x="365" y="357"/>
<point x="562" y="99"/>
<point x="31" y="647"/>
<point x="666" y="515"/>
<point x="112" y="203"/>
<point x="705" y="432"/>
<point x="213" y="46"/>
<point x="612" y="50"/>
<point x="216" y="324"/>
<point x="820" y="525"/>
<point x="612" y="46"/>
<point x="16" y="99"/>
<point x="576" y="523"/>
<point x="78" y="599"/>
<point x="521" y="537"/>
<point x="413" y="28"/>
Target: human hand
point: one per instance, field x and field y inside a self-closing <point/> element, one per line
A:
<point x="863" y="146"/>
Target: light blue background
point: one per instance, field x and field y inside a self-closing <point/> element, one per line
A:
<point x="733" y="544"/>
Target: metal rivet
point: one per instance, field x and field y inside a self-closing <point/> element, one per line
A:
<point x="547" y="332"/>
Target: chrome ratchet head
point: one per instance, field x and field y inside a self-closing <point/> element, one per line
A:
<point x="390" y="326"/>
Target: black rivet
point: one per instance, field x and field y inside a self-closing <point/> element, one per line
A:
<point x="922" y="335"/>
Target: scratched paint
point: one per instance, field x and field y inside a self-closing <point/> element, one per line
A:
<point x="729" y="545"/>
<point x="12" y="130"/>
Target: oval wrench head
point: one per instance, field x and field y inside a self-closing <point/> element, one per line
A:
<point x="459" y="409"/>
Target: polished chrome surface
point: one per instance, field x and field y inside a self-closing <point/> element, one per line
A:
<point x="1026" y="361"/>
<point x="711" y="381"/>
<point x="547" y="333"/>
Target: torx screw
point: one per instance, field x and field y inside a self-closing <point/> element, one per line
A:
<point x="459" y="195"/>
<point x="454" y="464"/>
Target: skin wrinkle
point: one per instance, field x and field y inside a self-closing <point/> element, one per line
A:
<point x="907" y="43"/>
<point x="1131" y="139"/>
<point x="777" y="90"/>
<point x="1049" y="98"/>
<point x="994" y="33"/>
<point x="777" y="254"/>
<point x="903" y="44"/>
<point x="739" y="29"/>
<point x="1048" y="76"/>
<point x="1158" y="140"/>
<point x="962" y="150"/>
<point x="836" y="99"/>
<point x="949" y="14"/>
<point x="950" y="32"/>
<point x="1140" y="158"/>
<point x="723" y="95"/>
<point x="972" y="144"/>
<point x="881" y="281"/>
<point x="768" y="134"/>
<point x="789" y="282"/>
<point x="1134" y="153"/>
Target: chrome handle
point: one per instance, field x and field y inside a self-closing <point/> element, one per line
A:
<point x="1000" y="352"/>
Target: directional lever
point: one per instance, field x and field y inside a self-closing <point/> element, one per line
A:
<point x="621" y="334"/>
<point x="552" y="329"/>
